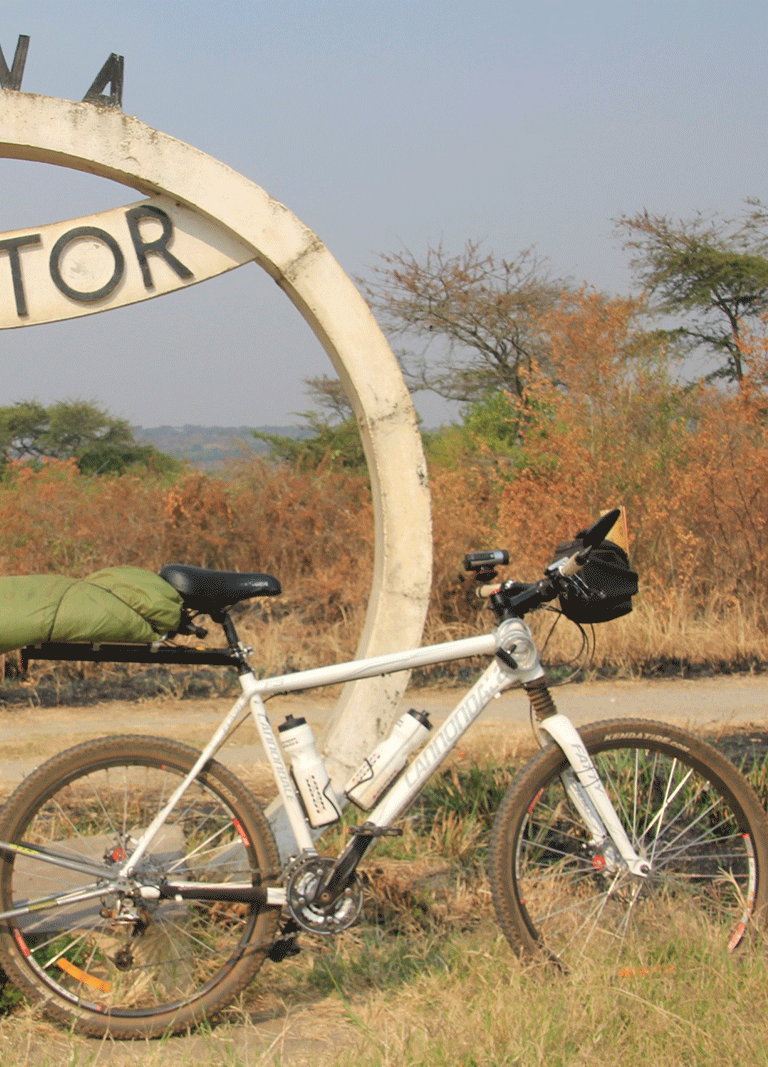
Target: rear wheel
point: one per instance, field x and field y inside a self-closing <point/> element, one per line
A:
<point x="122" y="962"/>
<point x="561" y="896"/>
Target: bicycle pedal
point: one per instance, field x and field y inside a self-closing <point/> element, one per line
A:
<point x="377" y="831"/>
<point x="284" y="948"/>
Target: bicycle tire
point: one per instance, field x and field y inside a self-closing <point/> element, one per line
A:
<point x="685" y="807"/>
<point x="118" y="964"/>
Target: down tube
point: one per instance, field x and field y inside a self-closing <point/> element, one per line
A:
<point x="407" y="787"/>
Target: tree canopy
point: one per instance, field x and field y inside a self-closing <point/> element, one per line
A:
<point x="488" y="332"/>
<point x="74" y="429"/>
<point x="329" y="435"/>
<point x="474" y="317"/>
<point x="709" y="271"/>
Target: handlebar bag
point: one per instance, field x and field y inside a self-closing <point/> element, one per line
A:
<point x="610" y="580"/>
<point x="117" y="604"/>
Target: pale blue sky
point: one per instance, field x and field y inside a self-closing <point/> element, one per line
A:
<point x="382" y="125"/>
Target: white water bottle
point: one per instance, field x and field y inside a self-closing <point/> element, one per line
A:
<point x="309" y="772"/>
<point x="387" y="760"/>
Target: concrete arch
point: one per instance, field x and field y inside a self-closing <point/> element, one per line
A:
<point x="106" y="142"/>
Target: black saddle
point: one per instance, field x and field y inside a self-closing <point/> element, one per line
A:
<point x="212" y="592"/>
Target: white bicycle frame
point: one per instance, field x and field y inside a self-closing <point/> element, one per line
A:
<point x="515" y="660"/>
<point x="514" y="639"/>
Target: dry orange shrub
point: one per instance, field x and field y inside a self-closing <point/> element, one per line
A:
<point x="690" y="467"/>
<point x="312" y="530"/>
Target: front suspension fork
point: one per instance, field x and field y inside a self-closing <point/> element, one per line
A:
<point x="582" y="782"/>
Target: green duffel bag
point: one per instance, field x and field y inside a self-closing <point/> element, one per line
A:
<point x="117" y="604"/>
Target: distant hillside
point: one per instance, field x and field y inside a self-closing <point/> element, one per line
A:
<point x="210" y="446"/>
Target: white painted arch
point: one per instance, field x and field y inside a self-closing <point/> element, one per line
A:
<point x="102" y="141"/>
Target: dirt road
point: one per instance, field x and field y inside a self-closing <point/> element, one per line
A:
<point x="29" y="735"/>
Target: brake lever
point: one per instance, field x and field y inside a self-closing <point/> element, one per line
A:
<point x="566" y="577"/>
<point x="577" y="583"/>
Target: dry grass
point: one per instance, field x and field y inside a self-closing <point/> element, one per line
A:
<point x="427" y="981"/>
<point x="455" y="998"/>
<point x="732" y="639"/>
<point x="482" y="1008"/>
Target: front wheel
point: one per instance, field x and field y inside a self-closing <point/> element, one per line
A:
<point x="562" y="896"/>
<point x="123" y="960"/>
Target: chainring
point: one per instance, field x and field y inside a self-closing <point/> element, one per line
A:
<point x="303" y="880"/>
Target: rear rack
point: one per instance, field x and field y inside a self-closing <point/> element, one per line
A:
<point x="116" y="653"/>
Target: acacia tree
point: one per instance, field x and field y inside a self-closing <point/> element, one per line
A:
<point x="74" y="429"/>
<point x="467" y="323"/>
<point x="330" y="433"/>
<point x="710" y="271"/>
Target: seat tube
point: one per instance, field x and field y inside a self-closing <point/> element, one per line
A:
<point x="288" y="794"/>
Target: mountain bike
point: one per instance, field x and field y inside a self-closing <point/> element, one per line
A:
<point x="141" y="887"/>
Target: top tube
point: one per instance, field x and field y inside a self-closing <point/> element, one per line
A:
<point x="484" y="645"/>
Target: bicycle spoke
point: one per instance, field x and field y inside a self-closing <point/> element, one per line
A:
<point x="142" y="957"/>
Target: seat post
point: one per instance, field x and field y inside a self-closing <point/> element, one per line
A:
<point x="224" y="619"/>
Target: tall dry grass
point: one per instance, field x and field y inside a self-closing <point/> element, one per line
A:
<point x="426" y="980"/>
<point x="312" y="530"/>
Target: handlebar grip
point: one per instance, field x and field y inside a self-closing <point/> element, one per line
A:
<point x="572" y="565"/>
<point x="484" y="591"/>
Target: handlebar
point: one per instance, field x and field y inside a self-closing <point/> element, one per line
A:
<point x="518" y="598"/>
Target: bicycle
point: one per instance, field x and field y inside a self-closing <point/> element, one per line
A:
<point x="142" y="889"/>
